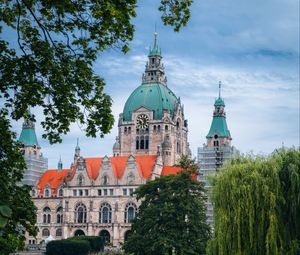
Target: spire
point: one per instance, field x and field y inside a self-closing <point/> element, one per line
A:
<point x="77" y="145"/>
<point x="59" y="165"/>
<point x="219" y="124"/>
<point x="28" y="135"/>
<point x="155" y="71"/>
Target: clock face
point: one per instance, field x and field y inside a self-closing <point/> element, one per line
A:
<point x="142" y="121"/>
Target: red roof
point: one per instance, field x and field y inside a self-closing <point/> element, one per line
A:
<point x="53" y="178"/>
<point x="167" y="170"/>
<point x="93" y="167"/>
<point x="118" y="165"/>
<point x="145" y="165"/>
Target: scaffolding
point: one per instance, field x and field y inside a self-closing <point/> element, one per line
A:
<point x="210" y="159"/>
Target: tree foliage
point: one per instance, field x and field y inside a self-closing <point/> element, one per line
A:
<point x="171" y="216"/>
<point x="257" y="205"/>
<point x="18" y="213"/>
<point x="47" y="52"/>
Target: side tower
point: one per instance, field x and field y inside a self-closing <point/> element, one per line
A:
<point x="36" y="164"/>
<point x="153" y="117"/>
<point x="217" y="149"/>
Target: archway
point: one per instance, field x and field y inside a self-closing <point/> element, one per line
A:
<point x="105" y="235"/>
<point x="127" y="234"/>
<point x="79" y="232"/>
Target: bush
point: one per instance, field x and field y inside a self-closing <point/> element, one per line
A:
<point x="96" y="242"/>
<point x="68" y="247"/>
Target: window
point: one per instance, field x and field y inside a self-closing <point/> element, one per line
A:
<point x="137" y="143"/>
<point x="74" y="192"/>
<point x="33" y="192"/>
<point x="111" y="192"/>
<point x="124" y="192"/>
<point x="105" y="192"/>
<point x="58" y="232"/>
<point x="60" y="192"/>
<point x="86" y="192"/>
<point x="158" y="128"/>
<point x="142" y="143"/>
<point x="59" y="215"/>
<point x="130" y="211"/>
<point x="99" y="192"/>
<point x="154" y="128"/>
<point x="105" y="180"/>
<point x="105" y="213"/>
<point x="131" y="191"/>
<point x="80" y="192"/>
<point x="47" y="215"/>
<point x="178" y="148"/>
<point x="130" y="178"/>
<point x="80" y="180"/>
<point x="125" y="130"/>
<point x="46" y="232"/>
<point x="166" y="127"/>
<point x="80" y="213"/>
<point x="216" y="143"/>
<point x="47" y="191"/>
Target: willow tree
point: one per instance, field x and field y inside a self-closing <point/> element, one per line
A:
<point x="256" y="205"/>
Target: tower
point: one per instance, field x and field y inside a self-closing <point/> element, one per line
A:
<point x="153" y="116"/>
<point x="36" y="164"/>
<point x="217" y="149"/>
<point x="77" y="151"/>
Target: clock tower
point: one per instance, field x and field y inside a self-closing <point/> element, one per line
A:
<point x="153" y="120"/>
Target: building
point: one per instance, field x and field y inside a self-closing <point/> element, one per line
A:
<point x="216" y="151"/>
<point x="36" y="164"/>
<point x="93" y="197"/>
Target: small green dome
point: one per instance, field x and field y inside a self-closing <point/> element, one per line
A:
<point x="219" y="102"/>
<point x="154" y="96"/>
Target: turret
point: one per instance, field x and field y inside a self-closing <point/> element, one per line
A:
<point x="116" y="147"/>
<point x="219" y="134"/>
<point x="166" y="151"/>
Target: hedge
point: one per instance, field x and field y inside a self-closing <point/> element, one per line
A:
<point x="68" y="247"/>
<point x="96" y="242"/>
<point x="79" y="245"/>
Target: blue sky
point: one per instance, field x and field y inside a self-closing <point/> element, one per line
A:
<point x="251" y="46"/>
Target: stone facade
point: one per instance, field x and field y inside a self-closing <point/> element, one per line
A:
<point x="94" y="196"/>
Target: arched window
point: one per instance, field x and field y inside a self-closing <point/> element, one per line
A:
<point x="58" y="232"/>
<point x="45" y="232"/>
<point x="60" y="191"/>
<point x="137" y="143"/>
<point x="105" y="180"/>
<point x="105" y="236"/>
<point x="146" y="142"/>
<point x="142" y="143"/>
<point x="178" y="148"/>
<point x="125" y="130"/>
<point x="47" y="215"/>
<point x="105" y="213"/>
<point x="178" y="124"/>
<point x="158" y="128"/>
<point x="216" y="143"/>
<point x="80" y="213"/>
<point x="59" y="215"/>
<point x="80" y="180"/>
<point x="47" y="191"/>
<point x="166" y="127"/>
<point x="130" y="178"/>
<point x="33" y="192"/>
<point x="130" y="212"/>
<point x="154" y="128"/>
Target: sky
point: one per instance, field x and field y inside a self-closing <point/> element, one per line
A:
<point x="252" y="46"/>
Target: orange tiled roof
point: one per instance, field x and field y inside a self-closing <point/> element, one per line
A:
<point x="52" y="178"/>
<point x="93" y="167"/>
<point x="118" y="165"/>
<point x="145" y="165"/>
<point x="167" y="170"/>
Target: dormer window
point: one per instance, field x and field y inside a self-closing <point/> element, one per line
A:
<point x="80" y="180"/>
<point x="47" y="191"/>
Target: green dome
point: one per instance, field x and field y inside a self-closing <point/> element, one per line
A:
<point x="154" y="96"/>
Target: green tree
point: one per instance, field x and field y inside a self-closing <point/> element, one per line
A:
<point x="17" y="211"/>
<point x="171" y="217"/>
<point x="257" y="205"/>
<point x="49" y="64"/>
